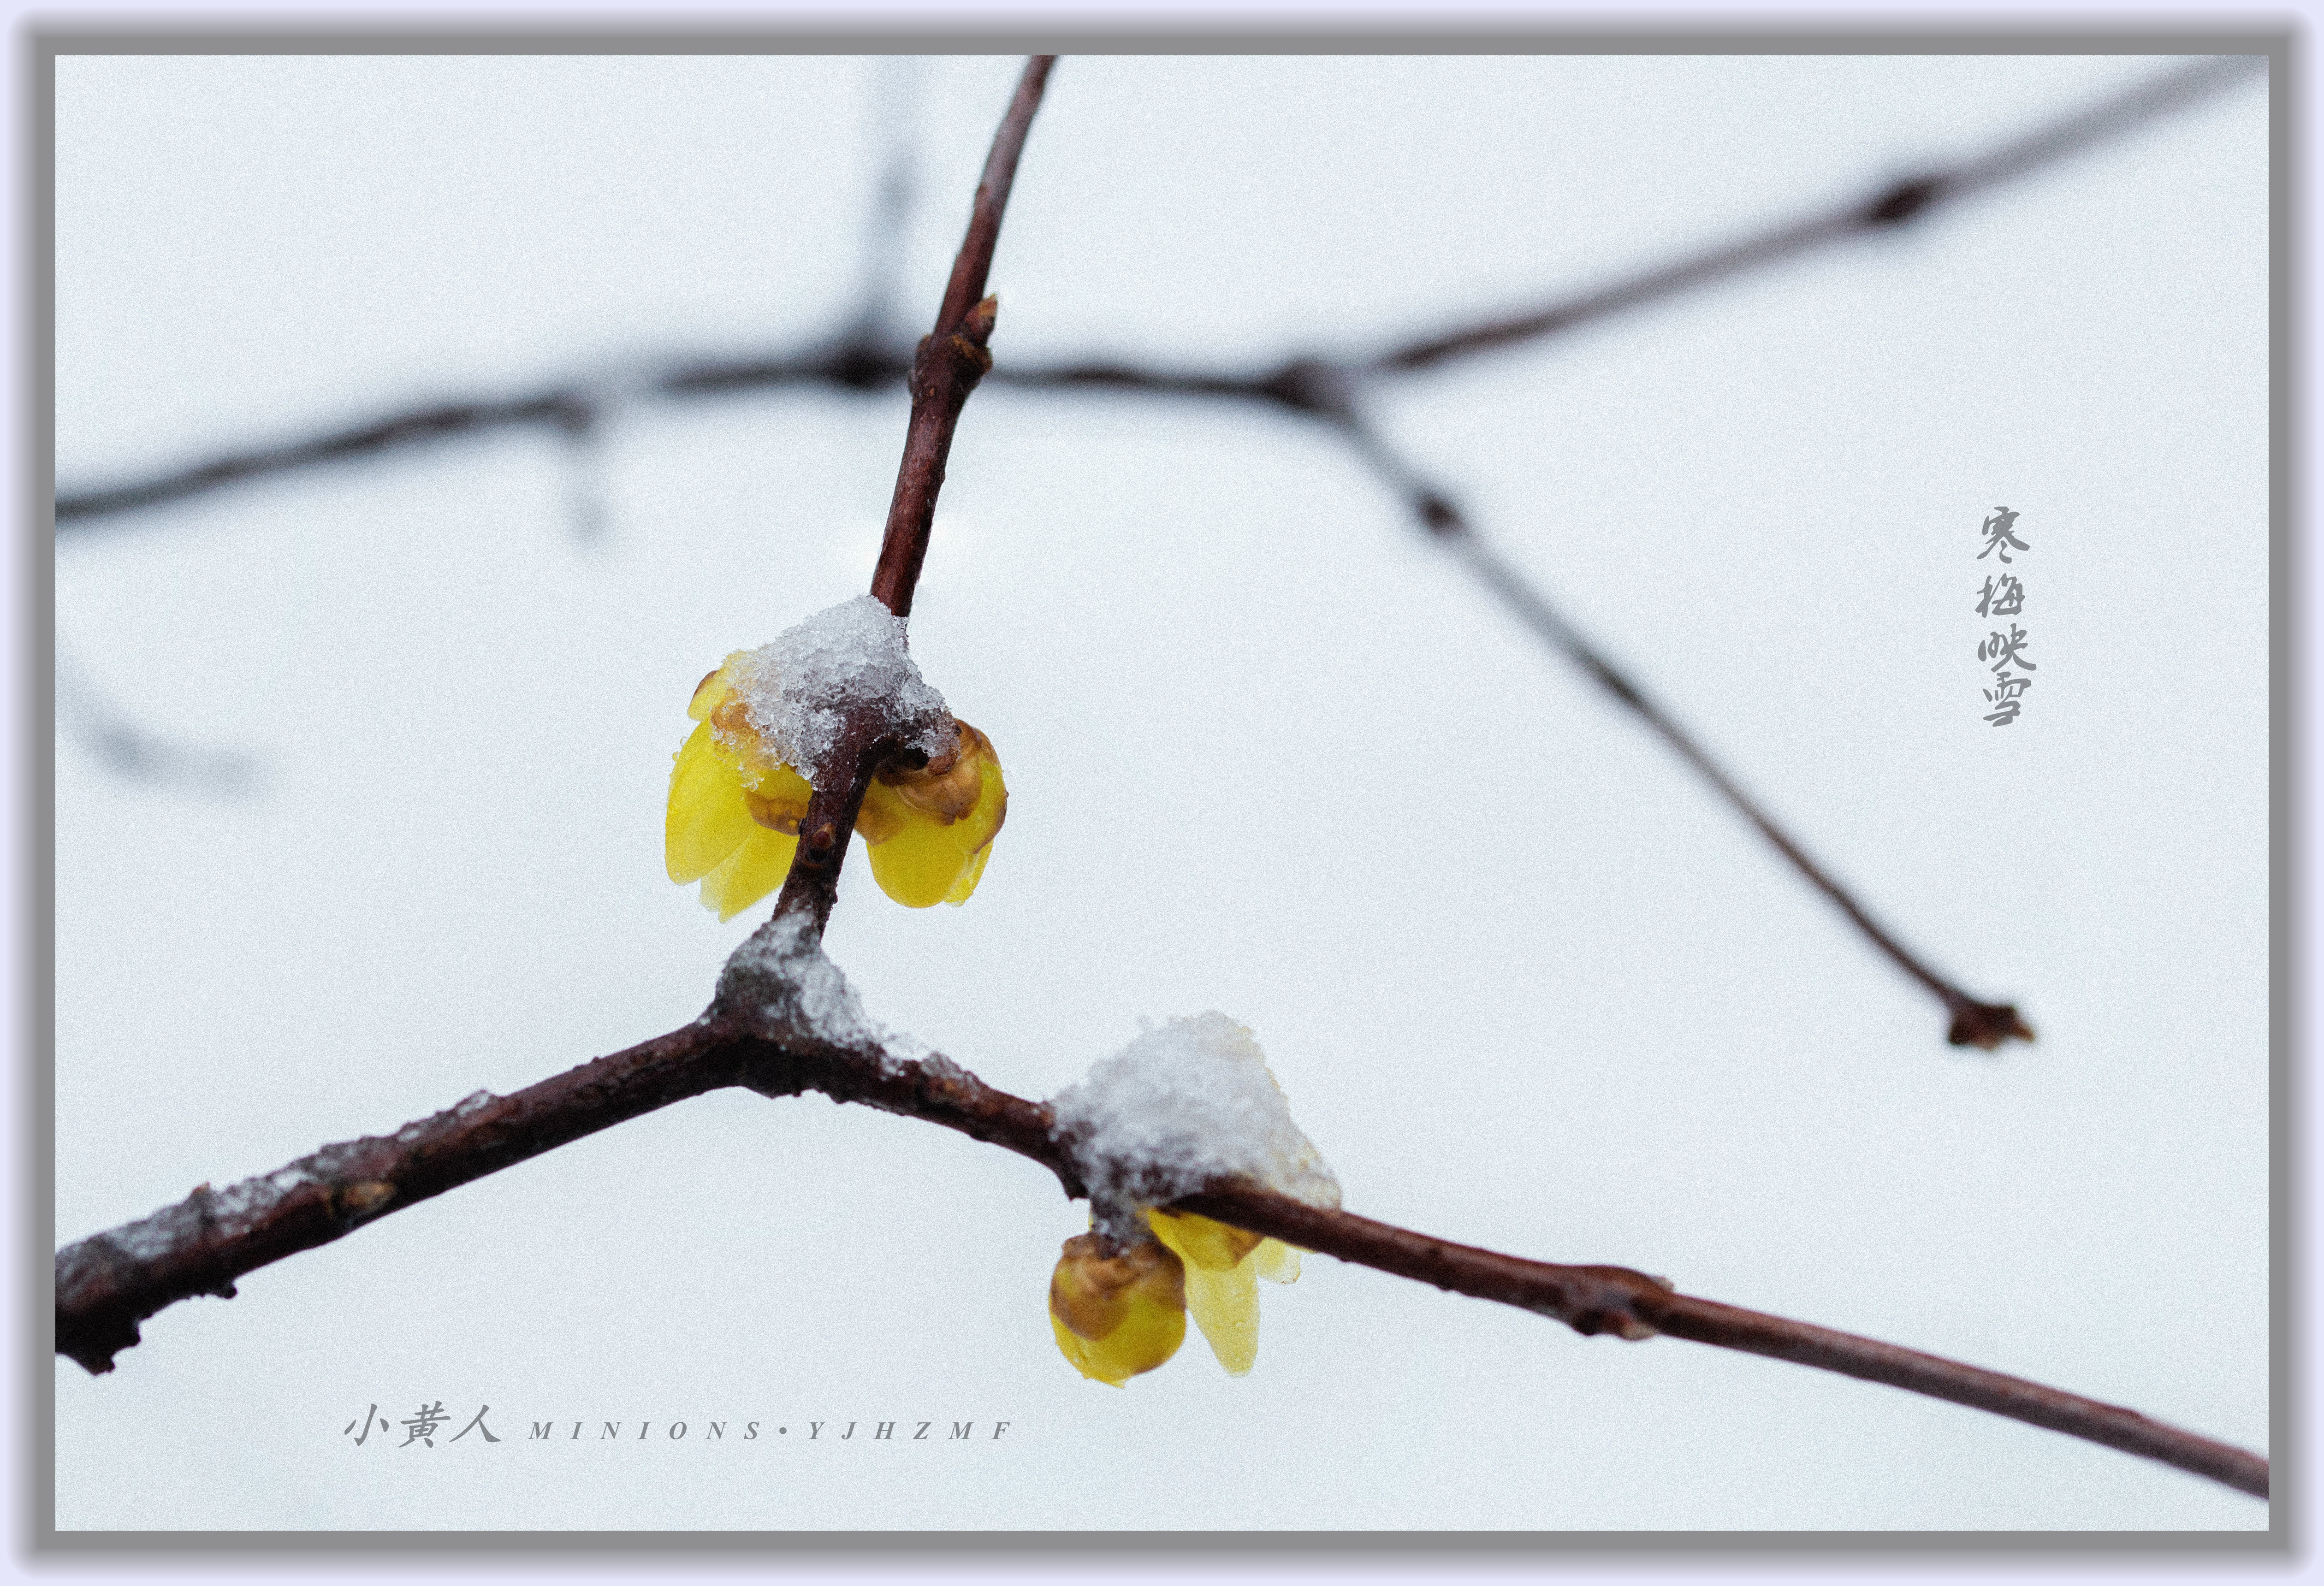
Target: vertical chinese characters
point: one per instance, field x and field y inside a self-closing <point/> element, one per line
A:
<point x="2004" y="595"/>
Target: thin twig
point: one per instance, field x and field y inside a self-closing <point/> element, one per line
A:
<point x="1892" y="205"/>
<point x="107" y="1284"/>
<point x="1973" y="1021"/>
<point x="953" y="358"/>
<point x="1327" y="392"/>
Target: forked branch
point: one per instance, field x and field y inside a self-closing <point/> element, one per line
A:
<point x="108" y="1284"/>
<point x="851" y="363"/>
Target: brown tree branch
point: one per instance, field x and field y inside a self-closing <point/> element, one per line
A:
<point x="951" y="358"/>
<point x="106" y="1284"/>
<point x="1633" y="1305"/>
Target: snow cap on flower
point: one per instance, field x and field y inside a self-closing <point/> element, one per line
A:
<point x="1180" y="1109"/>
<point x="1185" y="1105"/>
<point x="794" y="691"/>
<point x="770" y="722"/>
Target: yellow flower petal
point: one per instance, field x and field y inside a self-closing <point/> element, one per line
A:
<point x="734" y="816"/>
<point x="1221" y="1284"/>
<point x="1117" y="1315"/>
<point x="921" y="860"/>
<point x="966" y="884"/>
<point x="783" y="795"/>
<point x="1275" y="1261"/>
<point x="706" y="821"/>
<point x="1199" y="1239"/>
<point x="918" y="865"/>
<point x="754" y="869"/>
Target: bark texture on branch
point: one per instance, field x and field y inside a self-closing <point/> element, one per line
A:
<point x="108" y="1284"/>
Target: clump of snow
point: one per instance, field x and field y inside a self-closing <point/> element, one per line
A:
<point x="783" y="971"/>
<point x="797" y="690"/>
<point x="940" y="1066"/>
<point x="1183" y="1107"/>
<point x="146" y="1240"/>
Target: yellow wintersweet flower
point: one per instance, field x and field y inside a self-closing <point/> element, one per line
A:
<point x="930" y="831"/>
<point x="1185" y="1107"/>
<point x="735" y="808"/>
<point x="1120" y="1313"/>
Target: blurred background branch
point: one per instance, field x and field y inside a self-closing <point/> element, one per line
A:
<point x="859" y="357"/>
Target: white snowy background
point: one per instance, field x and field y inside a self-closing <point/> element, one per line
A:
<point x="1270" y="751"/>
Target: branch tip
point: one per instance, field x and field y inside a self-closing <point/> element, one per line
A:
<point x="1987" y="1026"/>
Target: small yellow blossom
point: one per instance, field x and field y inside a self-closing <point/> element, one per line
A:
<point x="734" y="811"/>
<point x="1119" y="1313"/>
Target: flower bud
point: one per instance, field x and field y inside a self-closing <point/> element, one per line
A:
<point x="1116" y="1312"/>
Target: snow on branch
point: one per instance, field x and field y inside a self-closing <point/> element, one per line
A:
<point x="804" y="691"/>
<point x="1182" y="1108"/>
